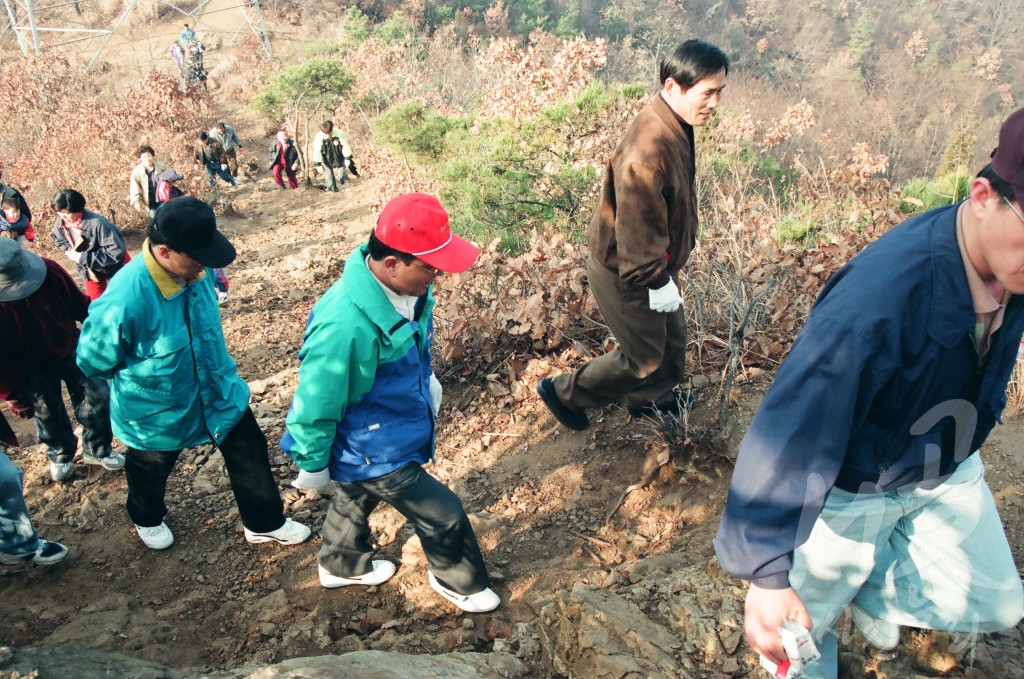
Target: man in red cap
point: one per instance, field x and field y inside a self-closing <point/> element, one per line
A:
<point x="364" y="411"/>
<point x="860" y="483"/>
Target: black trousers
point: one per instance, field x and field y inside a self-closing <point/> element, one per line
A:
<point x="434" y="511"/>
<point x="245" y="457"/>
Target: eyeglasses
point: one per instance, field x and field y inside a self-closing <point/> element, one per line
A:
<point x="433" y="271"/>
<point x="1015" y="210"/>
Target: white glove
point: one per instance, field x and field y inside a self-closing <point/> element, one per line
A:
<point x="74" y="255"/>
<point x="665" y="299"/>
<point x="295" y="166"/>
<point x="224" y="166"/>
<point x="222" y="296"/>
<point x="312" y="479"/>
<point x="435" y="394"/>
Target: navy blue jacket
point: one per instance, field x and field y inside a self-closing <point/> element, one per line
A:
<point x="883" y="389"/>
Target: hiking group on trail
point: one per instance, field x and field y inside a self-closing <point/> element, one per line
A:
<point x="874" y="505"/>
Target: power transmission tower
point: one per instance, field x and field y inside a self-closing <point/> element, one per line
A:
<point x="39" y="27"/>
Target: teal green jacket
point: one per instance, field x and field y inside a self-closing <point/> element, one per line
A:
<point x="172" y="382"/>
<point x="362" y="407"/>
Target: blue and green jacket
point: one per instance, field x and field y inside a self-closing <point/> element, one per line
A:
<point x="172" y="382"/>
<point x="362" y="407"/>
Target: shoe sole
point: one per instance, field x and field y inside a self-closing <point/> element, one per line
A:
<point x="353" y="581"/>
<point x="453" y="597"/>
<point x="98" y="462"/>
<point x="260" y="539"/>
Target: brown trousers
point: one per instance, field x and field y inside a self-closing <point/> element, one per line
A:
<point x="649" y="361"/>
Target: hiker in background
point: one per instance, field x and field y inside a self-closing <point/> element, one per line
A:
<point x="195" y="72"/>
<point x="642" y="231"/>
<point x="92" y="242"/>
<point x="142" y="182"/>
<point x="284" y="158"/>
<point x="860" y="481"/>
<point x="187" y="35"/>
<point x="165" y="188"/>
<point x="332" y="151"/>
<point x="40" y="308"/>
<point x="364" y="413"/>
<point x="157" y="336"/>
<point x="19" y="541"/>
<point x="221" y="285"/>
<point x="177" y="53"/>
<point x="10" y="193"/>
<point x="209" y="153"/>
<point x="14" y="223"/>
<point x="228" y="138"/>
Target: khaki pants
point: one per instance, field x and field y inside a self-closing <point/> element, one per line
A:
<point x="649" y="361"/>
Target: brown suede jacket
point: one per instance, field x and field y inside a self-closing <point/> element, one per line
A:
<point x="645" y="222"/>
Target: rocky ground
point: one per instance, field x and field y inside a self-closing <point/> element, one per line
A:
<point x="599" y="542"/>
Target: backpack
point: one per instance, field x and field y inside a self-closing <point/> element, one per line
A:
<point x="166" y="191"/>
<point x="331" y="152"/>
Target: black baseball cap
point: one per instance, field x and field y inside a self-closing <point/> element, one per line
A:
<point x="188" y="225"/>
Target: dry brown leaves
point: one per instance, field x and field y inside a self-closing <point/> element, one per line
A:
<point x="505" y="306"/>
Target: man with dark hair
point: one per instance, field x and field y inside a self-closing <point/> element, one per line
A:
<point x="643" y="229"/>
<point x="332" y="151"/>
<point x="860" y="480"/>
<point x="156" y="335"/>
<point x="210" y="154"/>
<point x="40" y="308"/>
<point x="227" y="137"/>
<point x="365" y="409"/>
<point x="89" y="240"/>
<point x="142" y="183"/>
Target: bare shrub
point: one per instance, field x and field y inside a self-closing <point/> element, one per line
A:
<point x="79" y="136"/>
<point x="245" y="69"/>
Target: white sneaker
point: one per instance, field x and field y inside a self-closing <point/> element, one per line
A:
<point x="481" y="602"/>
<point x="291" y="533"/>
<point x="883" y="635"/>
<point x="156" y="537"/>
<point x="382" y="571"/>
<point x="60" y="471"/>
<point x="111" y="462"/>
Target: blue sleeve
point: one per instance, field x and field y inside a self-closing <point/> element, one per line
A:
<point x="798" y="440"/>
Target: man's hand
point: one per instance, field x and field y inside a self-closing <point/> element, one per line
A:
<point x="74" y="255"/>
<point x="22" y="410"/>
<point x="312" y="480"/>
<point x="764" y="613"/>
<point x="223" y="167"/>
<point x="665" y="299"/>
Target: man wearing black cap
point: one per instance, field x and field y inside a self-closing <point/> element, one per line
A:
<point x="157" y="337"/>
<point x="40" y="308"/>
<point x="860" y="482"/>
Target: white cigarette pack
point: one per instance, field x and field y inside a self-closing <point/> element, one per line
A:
<point x="800" y="650"/>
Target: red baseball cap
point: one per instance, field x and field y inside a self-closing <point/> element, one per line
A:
<point x="415" y="223"/>
<point x="1008" y="158"/>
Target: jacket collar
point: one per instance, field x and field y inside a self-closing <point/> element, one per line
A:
<point x="680" y="127"/>
<point x="952" y="311"/>
<point x="364" y="290"/>
<point x="164" y="281"/>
